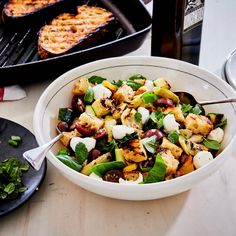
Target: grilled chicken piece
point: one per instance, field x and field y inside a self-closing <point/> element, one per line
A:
<point x="68" y="32"/>
<point x="134" y="151"/>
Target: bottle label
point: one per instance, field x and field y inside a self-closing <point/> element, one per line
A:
<point x="194" y="12"/>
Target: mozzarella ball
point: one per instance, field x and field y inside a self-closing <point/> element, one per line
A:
<point x="137" y="181"/>
<point x="216" y="134"/>
<point x="202" y="158"/>
<point x="149" y="85"/>
<point x="88" y="142"/>
<point x="170" y="124"/>
<point x="145" y="114"/>
<point x="119" y="131"/>
<point x="93" y="175"/>
<point x="101" y="91"/>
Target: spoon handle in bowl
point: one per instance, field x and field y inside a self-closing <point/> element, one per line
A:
<point x="36" y="156"/>
<point x="217" y="101"/>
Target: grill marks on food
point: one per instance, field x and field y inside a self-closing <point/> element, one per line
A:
<point x="69" y="30"/>
<point x="18" y="8"/>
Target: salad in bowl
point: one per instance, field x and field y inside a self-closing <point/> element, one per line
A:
<point x="135" y="131"/>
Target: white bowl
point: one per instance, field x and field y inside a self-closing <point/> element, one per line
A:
<point x="182" y="77"/>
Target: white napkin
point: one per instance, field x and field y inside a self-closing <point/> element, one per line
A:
<point x="10" y="93"/>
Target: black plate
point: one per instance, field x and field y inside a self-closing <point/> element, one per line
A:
<point x="32" y="178"/>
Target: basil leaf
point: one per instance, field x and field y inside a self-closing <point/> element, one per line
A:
<point x="81" y="153"/>
<point x="89" y="96"/>
<point x="67" y="160"/>
<point x="197" y="110"/>
<point x="134" y="85"/>
<point x="150" y="144"/>
<point x="221" y="124"/>
<point x="65" y="114"/>
<point x="126" y="139"/>
<point x="117" y="83"/>
<point x="136" y="77"/>
<point x="158" y="171"/>
<point x="211" y="144"/>
<point x="138" y="117"/>
<point x="173" y="137"/>
<point x="106" y="146"/>
<point x="157" y="117"/>
<point x="96" y="79"/>
<point x="62" y="152"/>
<point x="149" y="97"/>
<point x="101" y="169"/>
<point x="187" y="109"/>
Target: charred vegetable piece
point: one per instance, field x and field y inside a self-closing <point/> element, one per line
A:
<point x="87" y="169"/>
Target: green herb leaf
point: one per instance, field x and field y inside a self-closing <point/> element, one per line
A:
<point x="134" y="85"/>
<point x="158" y="171"/>
<point x="101" y="169"/>
<point x="211" y="144"/>
<point x="136" y="77"/>
<point x="81" y="153"/>
<point x="150" y="144"/>
<point x="67" y="160"/>
<point x="13" y="143"/>
<point x="187" y="109"/>
<point x="157" y="117"/>
<point x="138" y="117"/>
<point x="65" y="114"/>
<point x="122" y="142"/>
<point x="9" y="189"/>
<point x="96" y="79"/>
<point x="117" y="83"/>
<point x="173" y="137"/>
<point x="89" y="96"/>
<point x="106" y="146"/>
<point x="149" y="97"/>
<point x="62" y="152"/>
<point x="197" y="109"/>
<point x="24" y="167"/>
<point x="16" y="138"/>
<point x="221" y="124"/>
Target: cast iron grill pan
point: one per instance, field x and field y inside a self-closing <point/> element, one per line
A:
<point x="19" y="60"/>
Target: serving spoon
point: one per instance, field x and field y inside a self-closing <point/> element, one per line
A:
<point x="36" y="156"/>
<point x="188" y="98"/>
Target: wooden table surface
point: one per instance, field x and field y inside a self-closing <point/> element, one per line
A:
<point x="61" y="208"/>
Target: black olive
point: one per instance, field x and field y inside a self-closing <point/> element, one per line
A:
<point x="62" y="126"/>
<point x="113" y="176"/>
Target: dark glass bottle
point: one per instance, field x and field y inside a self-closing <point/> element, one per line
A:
<point x="176" y="29"/>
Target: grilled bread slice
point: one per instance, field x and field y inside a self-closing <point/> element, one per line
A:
<point x="28" y="12"/>
<point x="19" y="8"/>
<point x="70" y="32"/>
